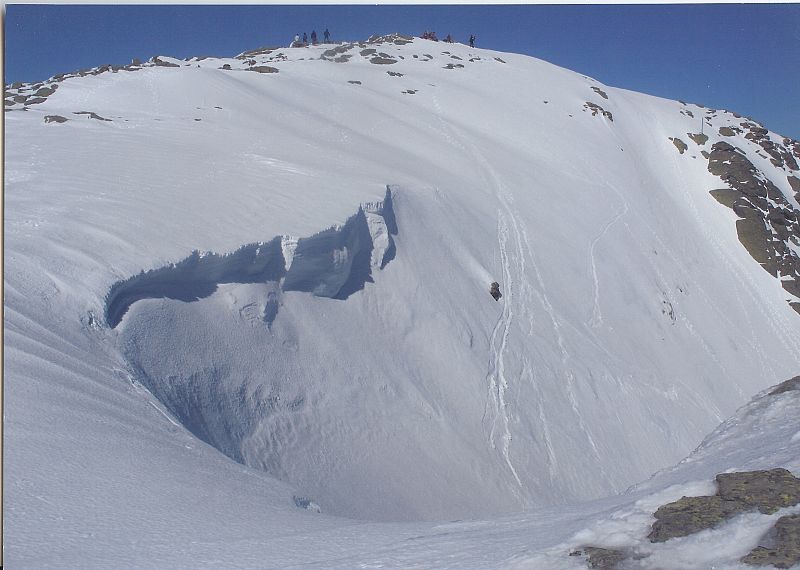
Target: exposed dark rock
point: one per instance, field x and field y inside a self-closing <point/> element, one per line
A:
<point x="733" y="167"/>
<point x="679" y="144"/>
<point x="785" y="550"/>
<point x="394" y="74"/>
<point x="91" y="115"/>
<point x="45" y="91"/>
<point x="595" y="109"/>
<point x="600" y="558"/>
<point x="699" y="138"/>
<point x="453" y="66"/>
<point x="689" y="515"/>
<point x="55" y="119"/>
<point x="136" y="61"/>
<point x="395" y="38"/>
<point x="705" y="154"/>
<point x="600" y="92"/>
<point x="755" y="237"/>
<point x="494" y="291"/>
<point x="794" y="182"/>
<point x="226" y="66"/>
<point x="410" y="91"/>
<point x="765" y="491"/>
<point x="792" y="286"/>
<point x="726" y="196"/>
<point x="20" y="98"/>
<point x="382" y="60"/>
<point x="786" y="386"/>
<point x="263" y="69"/>
<point x="256" y="52"/>
<point x="161" y="63"/>
<point x="500" y="60"/>
<point x="770" y="221"/>
<point x="728" y="131"/>
<point x="355" y="82"/>
<point x="35" y="100"/>
<point x="368" y="52"/>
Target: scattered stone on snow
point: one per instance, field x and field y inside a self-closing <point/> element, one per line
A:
<point x="600" y="92"/>
<point x="161" y="63"/>
<point x="91" y="115"/>
<point x="494" y="290"/>
<point x="55" y="119"/>
<point x="600" y="558"/>
<point x="263" y="69"/>
<point x="679" y="144"/>
<point x="699" y="138"/>
<point x="595" y="109"/>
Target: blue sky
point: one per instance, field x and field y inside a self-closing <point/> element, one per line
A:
<point x="742" y="57"/>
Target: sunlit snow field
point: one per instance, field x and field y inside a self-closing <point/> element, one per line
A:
<point x="341" y="234"/>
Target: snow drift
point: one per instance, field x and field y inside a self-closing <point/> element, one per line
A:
<point x="365" y="368"/>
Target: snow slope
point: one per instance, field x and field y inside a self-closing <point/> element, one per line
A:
<point x="339" y="221"/>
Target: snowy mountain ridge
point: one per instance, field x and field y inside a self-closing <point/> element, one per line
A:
<point x="158" y="309"/>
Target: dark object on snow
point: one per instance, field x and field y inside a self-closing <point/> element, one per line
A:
<point x="494" y="291"/>
<point x="472" y="40"/>
<point x="429" y="36"/>
<point x="314" y="37"/>
<point x="305" y="38"/>
<point x="449" y="39"/>
<point x="327" y="35"/>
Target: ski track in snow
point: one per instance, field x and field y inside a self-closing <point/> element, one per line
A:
<point x="498" y="381"/>
<point x="596" y="319"/>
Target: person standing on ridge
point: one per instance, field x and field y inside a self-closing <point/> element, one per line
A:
<point x="314" y="37"/>
<point x="449" y="39"/>
<point x="305" y="38"/>
<point x="327" y="35"/>
<point x="472" y="40"/>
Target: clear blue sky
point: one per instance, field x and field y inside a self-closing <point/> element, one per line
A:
<point x="742" y="57"/>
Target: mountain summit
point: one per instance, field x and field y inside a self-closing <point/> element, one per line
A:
<point x="234" y="281"/>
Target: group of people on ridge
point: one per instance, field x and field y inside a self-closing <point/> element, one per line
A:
<point x="298" y="42"/>
<point x="449" y="39"/>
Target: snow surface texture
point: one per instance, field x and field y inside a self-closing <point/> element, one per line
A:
<point x="366" y="370"/>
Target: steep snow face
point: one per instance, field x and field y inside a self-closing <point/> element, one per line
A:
<point x="632" y="320"/>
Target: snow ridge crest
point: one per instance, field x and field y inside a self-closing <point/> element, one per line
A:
<point x="334" y="263"/>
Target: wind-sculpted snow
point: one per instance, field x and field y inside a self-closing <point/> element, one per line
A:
<point x="334" y="263"/>
<point x="227" y="396"/>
